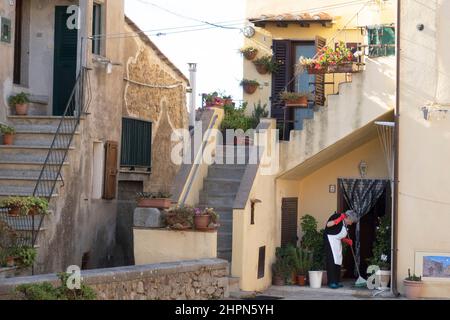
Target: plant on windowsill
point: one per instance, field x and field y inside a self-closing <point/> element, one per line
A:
<point x="249" y="86"/>
<point x="179" y="217"/>
<point x="206" y="219"/>
<point x="329" y="60"/>
<point x="159" y="200"/>
<point x="249" y="53"/>
<point x="8" y="134"/>
<point x="295" y="99"/>
<point x="20" y="103"/>
<point x="413" y="286"/>
<point x="265" y="65"/>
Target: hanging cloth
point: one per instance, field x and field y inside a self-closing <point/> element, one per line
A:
<point x="361" y="196"/>
<point x="336" y="244"/>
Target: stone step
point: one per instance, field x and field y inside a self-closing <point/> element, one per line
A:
<point x="25" y="165"/>
<point x="42" y="139"/>
<point x="215" y="201"/>
<point x="39" y="120"/>
<point x="224" y="240"/>
<point x="233" y="284"/>
<point x="226" y="225"/>
<point x="221" y="186"/>
<point x="226" y="171"/>
<point x="25" y="178"/>
<point x="43" y="128"/>
<point x="19" y="191"/>
<point x="26" y="153"/>
<point x="224" y="254"/>
<point x="24" y="224"/>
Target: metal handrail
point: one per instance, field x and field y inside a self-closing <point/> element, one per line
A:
<point x="197" y="160"/>
<point x="51" y="170"/>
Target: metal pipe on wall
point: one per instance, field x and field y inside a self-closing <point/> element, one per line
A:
<point x="193" y="83"/>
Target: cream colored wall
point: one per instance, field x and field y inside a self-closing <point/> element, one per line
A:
<point x="424" y="178"/>
<point x="178" y="245"/>
<point x="314" y="198"/>
<point x="343" y="17"/>
<point x="7" y="62"/>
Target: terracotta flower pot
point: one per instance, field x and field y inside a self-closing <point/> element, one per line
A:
<point x="261" y="68"/>
<point x="312" y="70"/>
<point x="202" y="221"/>
<point x="278" y="280"/>
<point x="228" y="102"/>
<point x="10" y="262"/>
<point x="301" y="280"/>
<point x="250" y="88"/>
<point x="22" y="109"/>
<point x="299" y="102"/>
<point x="14" y="212"/>
<point x="250" y="55"/>
<point x="242" y="141"/>
<point x="413" y="289"/>
<point x="8" y="139"/>
<point x="158" y="203"/>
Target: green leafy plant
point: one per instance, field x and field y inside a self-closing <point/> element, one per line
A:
<point x="26" y="256"/>
<point x="312" y="240"/>
<point x="40" y="205"/>
<point x="210" y="212"/>
<point x="16" y="203"/>
<point x="303" y="261"/>
<point x="235" y="118"/>
<point x="46" y="291"/>
<point x="153" y="195"/>
<point x="413" y="277"/>
<point x="248" y="50"/>
<point x="267" y="62"/>
<point x="284" y="264"/>
<point x="381" y="251"/>
<point x="19" y="98"/>
<point x="259" y="111"/>
<point x="249" y="82"/>
<point x="328" y="56"/>
<point x="4" y="129"/>
<point x="286" y="96"/>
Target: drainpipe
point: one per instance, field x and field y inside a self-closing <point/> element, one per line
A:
<point x="193" y="81"/>
<point x="394" y="259"/>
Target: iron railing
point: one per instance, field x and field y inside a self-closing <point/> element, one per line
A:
<point x="28" y="226"/>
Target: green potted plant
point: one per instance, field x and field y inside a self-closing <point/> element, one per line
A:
<point x="249" y="86"/>
<point x="180" y="217"/>
<point x="159" y="200"/>
<point x="265" y="64"/>
<point x="227" y="100"/>
<point x="16" y="205"/>
<point x="295" y="99"/>
<point x="249" y="53"/>
<point x="205" y="219"/>
<point x="303" y="262"/>
<point x="382" y="251"/>
<point x="281" y="268"/>
<point x="26" y="256"/>
<point x="38" y="206"/>
<point x="330" y="60"/>
<point x="8" y="134"/>
<point x="20" y="103"/>
<point x="213" y="100"/>
<point x="413" y="286"/>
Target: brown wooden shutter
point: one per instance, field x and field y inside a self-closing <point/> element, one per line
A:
<point x="280" y="79"/>
<point x="289" y="221"/>
<point x="320" y="78"/>
<point x="111" y="163"/>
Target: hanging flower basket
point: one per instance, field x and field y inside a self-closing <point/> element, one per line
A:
<point x="347" y="67"/>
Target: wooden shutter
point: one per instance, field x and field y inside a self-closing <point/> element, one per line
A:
<point x="261" y="262"/>
<point x="111" y="161"/>
<point x="289" y="221"/>
<point x="320" y="78"/>
<point x="280" y="79"/>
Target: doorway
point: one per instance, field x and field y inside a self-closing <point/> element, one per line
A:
<point x="65" y="61"/>
<point x="368" y="226"/>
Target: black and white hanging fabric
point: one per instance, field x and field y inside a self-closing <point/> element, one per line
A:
<point x="361" y="196"/>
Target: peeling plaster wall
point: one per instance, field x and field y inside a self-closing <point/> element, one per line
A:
<point x="164" y="107"/>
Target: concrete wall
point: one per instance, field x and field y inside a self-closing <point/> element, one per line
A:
<point x="370" y="95"/>
<point x="80" y="223"/>
<point x="343" y="17"/>
<point x="178" y="245"/>
<point x="164" y="107"/>
<point x="194" y="280"/>
<point x="424" y="208"/>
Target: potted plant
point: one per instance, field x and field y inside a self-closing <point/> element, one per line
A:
<point x="179" y="218"/>
<point x="413" y="286"/>
<point x="303" y="264"/>
<point x="249" y="53"/>
<point x="249" y="86"/>
<point x="20" y="102"/>
<point x="281" y="268"/>
<point x="265" y="64"/>
<point x="38" y="206"/>
<point x="213" y="100"/>
<point x="8" y="134"/>
<point x="295" y="99"/>
<point x="329" y="60"/>
<point x="205" y="219"/>
<point x="227" y="100"/>
<point x="26" y="256"/>
<point x="159" y="200"/>
<point x="16" y="205"/>
<point x="381" y="251"/>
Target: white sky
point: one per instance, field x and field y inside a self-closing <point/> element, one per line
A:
<point x="214" y="50"/>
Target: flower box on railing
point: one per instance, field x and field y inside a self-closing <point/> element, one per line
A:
<point x="348" y="67"/>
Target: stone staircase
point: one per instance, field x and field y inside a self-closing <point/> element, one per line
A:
<point x="220" y="188"/>
<point x="22" y="162"/>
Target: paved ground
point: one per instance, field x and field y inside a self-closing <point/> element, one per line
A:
<point x="306" y="293"/>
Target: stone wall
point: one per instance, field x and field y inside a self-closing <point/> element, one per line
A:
<point x="155" y="90"/>
<point x="194" y="280"/>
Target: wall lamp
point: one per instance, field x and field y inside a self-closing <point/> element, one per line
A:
<point x="252" y="216"/>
